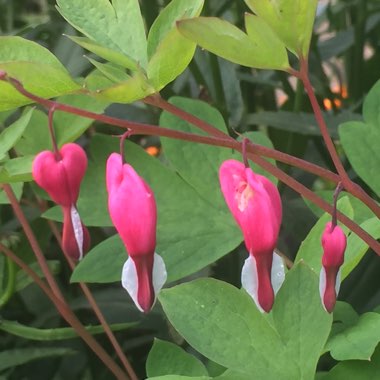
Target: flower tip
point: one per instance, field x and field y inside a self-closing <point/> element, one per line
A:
<point x="143" y="278"/>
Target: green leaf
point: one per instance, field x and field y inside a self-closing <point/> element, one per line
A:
<point x="59" y="333"/>
<point x="177" y="377"/>
<point x="226" y="40"/>
<point x="10" y="135"/>
<point x="135" y="88"/>
<point x="117" y="25"/>
<point x="35" y="67"/>
<point x="106" y="53"/>
<point x="169" y="52"/>
<point x="19" y="356"/>
<point x="114" y="73"/>
<point x="17" y="170"/>
<point x="67" y="127"/>
<point x="300" y="318"/>
<point x="191" y="232"/>
<point x="361" y="211"/>
<point x="292" y="21"/>
<point x="356" y="247"/>
<point x="23" y="279"/>
<point x="166" y="358"/>
<point x="360" y="141"/>
<point x="356" y="369"/>
<point x="311" y="248"/>
<point x="223" y="324"/>
<point x="17" y="188"/>
<point x="358" y="341"/>
<point x="302" y="122"/>
<point x="199" y="164"/>
<point x="106" y="261"/>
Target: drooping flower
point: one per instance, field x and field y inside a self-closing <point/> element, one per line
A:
<point x="133" y="211"/>
<point x="255" y="204"/>
<point x="60" y="175"/>
<point x="334" y="243"/>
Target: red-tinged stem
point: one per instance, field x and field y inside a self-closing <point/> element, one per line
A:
<point x="224" y="142"/>
<point x="337" y="191"/>
<point x="304" y="76"/>
<point x="350" y="186"/>
<point x="94" y="305"/>
<point x="146" y="129"/>
<point x="57" y="297"/>
<point x="123" y="137"/>
<point x="52" y="134"/>
<point x="310" y="195"/>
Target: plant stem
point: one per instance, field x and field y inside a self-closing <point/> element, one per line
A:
<point x="91" y="300"/>
<point x="11" y="280"/>
<point x="58" y="298"/>
<point x="350" y="186"/>
<point x="223" y="140"/>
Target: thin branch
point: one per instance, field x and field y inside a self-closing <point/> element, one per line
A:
<point x="92" y="302"/>
<point x="61" y="305"/>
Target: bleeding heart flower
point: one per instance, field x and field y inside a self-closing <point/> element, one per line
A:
<point x="60" y="175"/>
<point x="334" y="244"/>
<point x="255" y="204"/>
<point x="133" y="211"/>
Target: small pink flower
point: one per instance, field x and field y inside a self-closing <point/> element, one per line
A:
<point x="60" y="176"/>
<point x="255" y="204"/>
<point x="133" y="211"/>
<point x="334" y="244"/>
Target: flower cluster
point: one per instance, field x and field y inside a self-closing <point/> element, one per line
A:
<point x="253" y="200"/>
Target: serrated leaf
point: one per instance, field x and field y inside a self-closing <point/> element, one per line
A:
<point x="226" y="40"/>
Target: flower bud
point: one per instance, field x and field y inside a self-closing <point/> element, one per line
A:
<point x="133" y="211"/>
<point x="255" y="204"/>
<point x="60" y="175"/>
<point x="334" y="244"/>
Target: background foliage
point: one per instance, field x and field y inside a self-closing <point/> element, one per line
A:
<point x="195" y="232"/>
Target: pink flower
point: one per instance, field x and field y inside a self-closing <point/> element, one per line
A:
<point x="334" y="244"/>
<point x="133" y="211"/>
<point x="255" y="204"/>
<point x="60" y="176"/>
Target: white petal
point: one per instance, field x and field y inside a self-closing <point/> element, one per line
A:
<point x="277" y="273"/>
<point x="159" y="273"/>
<point x="78" y="230"/>
<point x="129" y="281"/>
<point x="249" y="279"/>
<point x="322" y="285"/>
<point x="338" y="281"/>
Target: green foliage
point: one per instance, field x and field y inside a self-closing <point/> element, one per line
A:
<point x="191" y="232"/>
<point x="166" y="358"/>
<point x="39" y="71"/>
<point x="227" y="41"/>
<point x="292" y="21"/>
<point x="364" y="156"/>
<point x="310" y="250"/>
